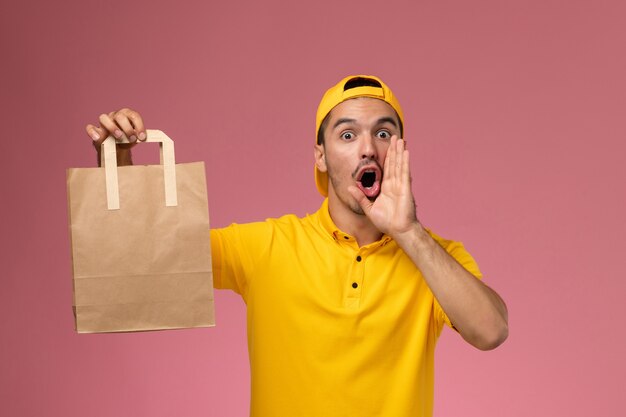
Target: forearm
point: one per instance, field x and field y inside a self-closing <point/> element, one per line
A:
<point x="477" y="312"/>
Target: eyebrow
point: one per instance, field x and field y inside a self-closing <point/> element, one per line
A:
<point x="342" y="121"/>
<point x="387" y="120"/>
<point x="346" y="120"/>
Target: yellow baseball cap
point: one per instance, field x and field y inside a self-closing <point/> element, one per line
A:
<point x="351" y="87"/>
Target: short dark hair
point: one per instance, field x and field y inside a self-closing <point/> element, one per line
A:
<point x="353" y="83"/>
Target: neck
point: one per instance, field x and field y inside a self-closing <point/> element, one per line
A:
<point x="356" y="225"/>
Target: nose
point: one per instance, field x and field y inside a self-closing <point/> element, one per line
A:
<point x="368" y="147"/>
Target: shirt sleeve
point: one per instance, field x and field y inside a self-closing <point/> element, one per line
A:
<point x="235" y="251"/>
<point x="462" y="256"/>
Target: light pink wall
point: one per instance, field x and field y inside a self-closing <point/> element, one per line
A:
<point x="515" y="119"/>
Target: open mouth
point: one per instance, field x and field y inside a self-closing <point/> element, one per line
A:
<point x="368" y="178"/>
<point x="368" y="181"/>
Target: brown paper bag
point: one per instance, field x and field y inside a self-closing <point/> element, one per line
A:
<point x="140" y="244"/>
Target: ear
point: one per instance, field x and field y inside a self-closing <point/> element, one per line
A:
<point x="320" y="157"/>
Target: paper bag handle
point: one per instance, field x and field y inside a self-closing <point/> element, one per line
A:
<point x="109" y="162"/>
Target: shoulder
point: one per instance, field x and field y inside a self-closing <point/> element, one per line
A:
<point x="267" y="226"/>
<point x="458" y="251"/>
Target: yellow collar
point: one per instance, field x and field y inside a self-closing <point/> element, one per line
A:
<point x="327" y="223"/>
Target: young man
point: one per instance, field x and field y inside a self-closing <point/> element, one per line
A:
<point x="345" y="306"/>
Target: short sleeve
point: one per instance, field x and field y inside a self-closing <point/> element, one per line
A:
<point x="235" y="251"/>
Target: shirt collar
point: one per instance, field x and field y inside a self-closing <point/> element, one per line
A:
<point x="331" y="228"/>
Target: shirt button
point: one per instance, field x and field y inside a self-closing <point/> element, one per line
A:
<point x="358" y="258"/>
<point x="355" y="285"/>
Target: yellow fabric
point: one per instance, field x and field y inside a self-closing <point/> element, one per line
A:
<point x="319" y="346"/>
<point x="336" y="94"/>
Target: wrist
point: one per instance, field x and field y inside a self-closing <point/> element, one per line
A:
<point x="414" y="235"/>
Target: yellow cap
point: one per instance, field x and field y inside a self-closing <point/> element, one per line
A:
<point x="351" y="87"/>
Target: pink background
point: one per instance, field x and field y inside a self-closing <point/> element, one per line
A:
<point x="515" y="119"/>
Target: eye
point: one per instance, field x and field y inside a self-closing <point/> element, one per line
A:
<point x="347" y="135"/>
<point x="383" y="134"/>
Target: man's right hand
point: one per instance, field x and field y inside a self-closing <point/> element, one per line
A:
<point x="124" y="122"/>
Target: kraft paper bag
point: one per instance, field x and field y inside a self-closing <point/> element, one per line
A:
<point x="141" y="252"/>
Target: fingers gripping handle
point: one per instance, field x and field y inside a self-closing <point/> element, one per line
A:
<point x="109" y="161"/>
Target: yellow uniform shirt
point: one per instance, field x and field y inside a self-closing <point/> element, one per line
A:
<point x="334" y="329"/>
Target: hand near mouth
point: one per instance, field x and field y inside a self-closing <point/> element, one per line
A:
<point x="393" y="211"/>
